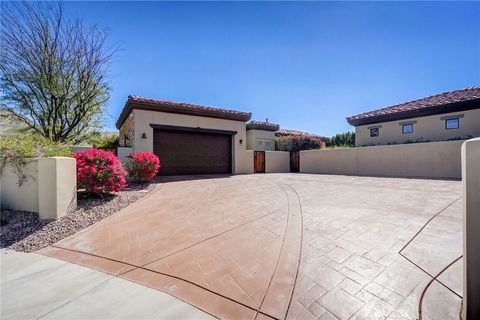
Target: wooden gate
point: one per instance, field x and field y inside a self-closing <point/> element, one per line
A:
<point x="295" y="161"/>
<point x="259" y="161"/>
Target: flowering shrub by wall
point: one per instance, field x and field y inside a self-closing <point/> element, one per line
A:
<point x="18" y="148"/>
<point x="142" y="166"/>
<point x="99" y="171"/>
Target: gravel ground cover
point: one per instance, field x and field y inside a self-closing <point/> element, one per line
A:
<point x="26" y="232"/>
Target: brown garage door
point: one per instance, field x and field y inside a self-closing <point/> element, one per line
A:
<point x="183" y="152"/>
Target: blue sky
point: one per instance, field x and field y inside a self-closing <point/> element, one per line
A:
<point x="304" y="65"/>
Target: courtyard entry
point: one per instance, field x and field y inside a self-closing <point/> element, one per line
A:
<point x="259" y="161"/>
<point x="294" y="161"/>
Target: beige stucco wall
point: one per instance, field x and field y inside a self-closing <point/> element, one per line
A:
<point x="50" y="189"/>
<point x="23" y="198"/>
<point x="123" y="152"/>
<point x="335" y="161"/>
<point x="471" y="225"/>
<point x="144" y="118"/>
<point x="427" y="160"/>
<point x="57" y="186"/>
<point x="128" y="128"/>
<point x="260" y="140"/>
<point x="277" y="161"/>
<point x="80" y="148"/>
<point x="248" y="162"/>
<point x="427" y="128"/>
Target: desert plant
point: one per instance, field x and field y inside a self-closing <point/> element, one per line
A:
<point x="109" y="141"/>
<point x="99" y="172"/>
<point x="142" y="166"/>
<point x="53" y="70"/>
<point x="466" y="137"/>
<point x="346" y="139"/>
<point x="18" y="148"/>
<point x="297" y="143"/>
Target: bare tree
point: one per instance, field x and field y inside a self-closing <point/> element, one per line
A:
<point x="53" y="70"/>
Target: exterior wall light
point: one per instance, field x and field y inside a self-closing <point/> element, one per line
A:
<point x="144" y="135"/>
<point x="241" y="141"/>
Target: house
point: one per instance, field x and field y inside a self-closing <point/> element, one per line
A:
<point x="193" y="139"/>
<point x="445" y="116"/>
<point x="188" y="138"/>
<point x="261" y="135"/>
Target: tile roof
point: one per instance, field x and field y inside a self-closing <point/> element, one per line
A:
<point x="458" y="100"/>
<point x="262" y="125"/>
<point x="161" y="105"/>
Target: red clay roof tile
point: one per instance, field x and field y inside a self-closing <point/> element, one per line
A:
<point x="161" y="105"/>
<point x="465" y="99"/>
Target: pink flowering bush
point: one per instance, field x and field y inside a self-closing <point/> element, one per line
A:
<point x="142" y="166"/>
<point x="99" y="171"/>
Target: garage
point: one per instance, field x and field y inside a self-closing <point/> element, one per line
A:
<point x="189" y="139"/>
<point x="186" y="151"/>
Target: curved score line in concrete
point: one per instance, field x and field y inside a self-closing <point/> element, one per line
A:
<point x="422" y="296"/>
<point x="434" y="277"/>
<point x="278" y="294"/>
<point x="400" y="252"/>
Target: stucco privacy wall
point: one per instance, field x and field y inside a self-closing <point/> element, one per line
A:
<point x="428" y="128"/>
<point x="144" y="118"/>
<point x="336" y="161"/>
<point x="277" y="161"/>
<point x="50" y="190"/>
<point x="425" y="160"/>
<point x="123" y="152"/>
<point x="260" y="140"/>
<point x="471" y="225"/>
<point x="80" y="148"/>
<point x="20" y="198"/>
<point x="249" y="164"/>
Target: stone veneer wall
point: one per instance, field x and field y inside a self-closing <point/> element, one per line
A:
<point x="128" y="129"/>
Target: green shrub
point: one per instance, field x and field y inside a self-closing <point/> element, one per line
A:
<point x="31" y="146"/>
<point x="16" y="149"/>
<point x="101" y="140"/>
<point x="346" y="139"/>
<point x="466" y="137"/>
<point x="107" y="142"/>
<point x="297" y="143"/>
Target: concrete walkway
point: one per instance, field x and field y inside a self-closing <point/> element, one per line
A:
<point x="288" y="246"/>
<point x="38" y="287"/>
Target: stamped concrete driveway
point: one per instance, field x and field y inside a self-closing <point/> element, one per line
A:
<point x="293" y="246"/>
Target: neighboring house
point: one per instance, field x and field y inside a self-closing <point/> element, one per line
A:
<point x="261" y="135"/>
<point x="445" y="116"/>
<point x="188" y="138"/>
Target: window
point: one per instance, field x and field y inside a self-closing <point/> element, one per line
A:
<point x="407" y="128"/>
<point x="452" y="123"/>
<point x="374" y="132"/>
